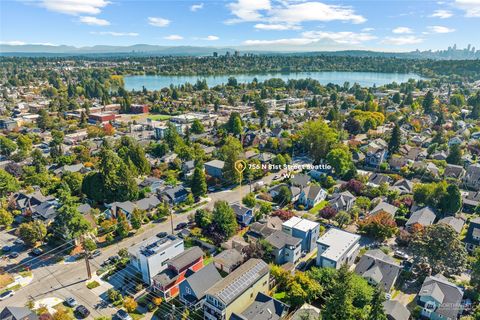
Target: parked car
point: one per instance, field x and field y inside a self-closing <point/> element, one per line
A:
<point x="162" y="235"/>
<point x="94" y="254"/>
<point x="123" y="315"/>
<point x="181" y="225"/>
<point x="36" y="251"/>
<point x="110" y="260"/>
<point x="71" y="302"/>
<point x="82" y="311"/>
<point x="6" y="249"/>
<point x="19" y="242"/>
<point x="13" y="255"/>
<point x="400" y="255"/>
<point x="6" y="295"/>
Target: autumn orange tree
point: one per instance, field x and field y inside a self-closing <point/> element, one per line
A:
<point x="380" y="226"/>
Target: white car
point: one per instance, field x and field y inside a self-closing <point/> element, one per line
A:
<point x="6" y="295"/>
<point x="71" y="302"/>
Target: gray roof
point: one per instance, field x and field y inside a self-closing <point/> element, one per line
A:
<point x="280" y="239"/>
<point x="404" y="185"/>
<point x="380" y="267"/>
<point x="454" y="222"/>
<point x="229" y="258"/>
<point x="229" y="288"/>
<point x="445" y="292"/>
<point x="425" y="217"/>
<point x="186" y="258"/>
<point x="215" y="164"/>
<point x="203" y="279"/>
<point x="148" y="203"/>
<point x="300" y="179"/>
<point x="396" y="310"/>
<point x="313" y="192"/>
<point x="386" y="207"/>
<point x="263" y="308"/>
<point x="17" y="313"/>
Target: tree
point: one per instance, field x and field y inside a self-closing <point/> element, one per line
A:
<point x="136" y="218"/>
<point x="113" y="295"/>
<point x="249" y="200"/>
<point x="455" y="154"/>
<point x="7" y="146"/>
<point x="197" y="127"/>
<point x="284" y="215"/>
<point x="339" y="304"/>
<point x="6" y="218"/>
<point x="284" y="196"/>
<point x="44" y="121"/>
<point x="199" y="183"/>
<point x="8" y="183"/>
<point x="342" y="218"/>
<point x="262" y="111"/>
<point x="32" y="232"/>
<point x="89" y="245"/>
<point x="328" y="212"/>
<point x="428" y="101"/>
<point x="133" y="155"/>
<point x="380" y="225"/>
<point x="123" y="227"/>
<point x="439" y="247"/>
<point x="317" y="139"/>
<point x="224" y="219"/>
<point x="377" y="312"/>
<point x="395" y="140"/>
<point x="69" y="222"/>
<point x="340" y="159"/>
<point x="203" y="218"/>
<point x="130" y="304"/>
<point x="230" y="153"/>
<point x="475" y="277"/>
<point x="62" y="314"/>
<point x="451" y="202"/>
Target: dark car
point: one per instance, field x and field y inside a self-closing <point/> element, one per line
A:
<point x="6" y="295"/>
<point x="181" y="225"/>
<point x="6" y="249"/>
<point x="94" y="254"/>
<point x="37" y="251"/>
<point x="162" y="235"/>
<point x="82" y="311"/>
<point x="13" y="255"/>
<point x="123" y="315"/>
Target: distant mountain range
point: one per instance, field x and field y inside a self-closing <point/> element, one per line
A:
<point x="39" y="50"/>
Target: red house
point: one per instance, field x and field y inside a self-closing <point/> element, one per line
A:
<point x="101" y="117"/>
<point x="166" y="282"/>
<point x="139" y="108"/>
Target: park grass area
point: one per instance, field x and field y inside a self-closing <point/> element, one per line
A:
<point x="318" y="207"/>
<point x="159" y="117"/>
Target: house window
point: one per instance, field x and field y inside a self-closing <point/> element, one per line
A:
<point x="187" y="290"/>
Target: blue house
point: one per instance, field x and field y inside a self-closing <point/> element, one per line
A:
<point x="304" y="229"/>
<point x="312" y="195"/>
<point x="244" y="214"/>
<point x="375" y="156"/>
<point x="214" y="168"/>
<point x="176" y="194"/>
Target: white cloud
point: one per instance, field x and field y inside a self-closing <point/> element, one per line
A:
<point x="402" y="30"/>
<point x="290" y="13"/>
<point x="158" y="22"/>
<point x="210" y="38"/>
<point x="402" y="40"/>
<point x="263" y="26"/>
<point x="442" y="14"/>
<point x="440" y="29"/>
<point x="173" y="37"/>
<point x="308" y="37"/>
<point x="116" y="34"/>
<point x="75" y="7"/>
<point x="94" y="21"/>
<point x="23" y="43"/>
<point x="196" y="7"/>
<point x="367" y="29"/>
<point x="471" y="7"/>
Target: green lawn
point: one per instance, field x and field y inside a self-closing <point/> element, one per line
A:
<point x="136" y="316"/>
<point x="279" y="295"/>
<point x="159" y="117"/>
<point x="318" y="207"/>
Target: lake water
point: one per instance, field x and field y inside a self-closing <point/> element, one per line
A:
<point x="366" y="79"/>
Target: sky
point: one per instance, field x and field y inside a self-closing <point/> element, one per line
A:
<point x="387" y="25"/>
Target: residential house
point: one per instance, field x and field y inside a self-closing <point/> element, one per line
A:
<point x="286" y="248"/>
<point x="300" y="180"/>
<point x="337" y="247"/>
<point x="394" y="310"/>
<point x="243" y="213"/>
<point x="115" y="208"/>
<point x="384" y="207"/>
<point x="472" y="239"/>
<point x="175" y="195"/>
<point x="148" y="204"/>
<point x="472" y="177"/>
<point x="46" y="211"/>
<point x="25" y="202"/>
<point x="188" y="167"/>
<point x="377" y="179"/>
<point x="397" y="163"/>
<point x="342" y="201"/>
<point x="311" y="195"/>
<point x="166" y="283"/>
<point x="237" y="291"/>
<point x="375" y="156"/>
<point x="470" y="201"/>
<point x="193" y="288"/>
<point x="263" y="228"/>
<point x="264" y="307"/>
<point x="440" y="298"/>
<point x="307" y="230"/>
<point x="306" y="311"/>
<point x="228" y="260"/>
<point x="403" y="186"/>
<point x="214" y="168"/>
<point x="18" y="313"/>
<point x="454" y="222"/>
<point x="379" y="269"/>
<point x="424" y="217"/>
<point x="150" y="256"/>
<point x="453" y="141"/>
<point x="454" y="172"/>
<point x="442" y="155"/>
<point x="154" y="184"/>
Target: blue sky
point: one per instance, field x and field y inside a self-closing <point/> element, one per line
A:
<point x="390" y="25"/>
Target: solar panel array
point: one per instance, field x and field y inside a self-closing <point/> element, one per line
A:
<point x="239" y="285"/>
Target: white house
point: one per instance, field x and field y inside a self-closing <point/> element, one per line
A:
<point x="337" y="247"/>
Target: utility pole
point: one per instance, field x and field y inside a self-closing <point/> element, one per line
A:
<point x="87" y="256"/>
<point x="171" y="220"/>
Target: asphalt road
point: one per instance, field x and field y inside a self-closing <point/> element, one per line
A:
<point x="63" y="280"/>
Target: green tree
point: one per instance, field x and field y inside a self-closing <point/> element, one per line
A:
<point x="197" y="127"/>
<point x="262" y="112"/>
<point x="339" y="304"/>
<point x="475" y="266"/>
<point x="89" y="245"/>
<point x="455" y="154"/>
<point x="340" y="158"/>
<point x="137" y="218"/>
<point x="284" y="196"/>
<point x="224" y="219"/>
<point x="439" y="247"/>
<point x="32" y="232"/>
<point x="123" y="227"/>
<point x="7" y="146"/>
<point x="395" y="140"/>
<point x="317" y="139"/>
<point x="428" y="101"/>
<point x="8" y="183"/>
<point x="230" y="152"/>
<point x="377" y="312"/>
<point x="69" y="223"/>
<point x="249" y="200"/>
<point x="342" y="218"/>
<point x="44" y="121"/>
<point x="203" y="218"/>
<point x="199" y="183"/>
<point x="6" y="218"/>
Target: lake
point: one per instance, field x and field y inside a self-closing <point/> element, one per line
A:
<point x="365" y="79"/>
